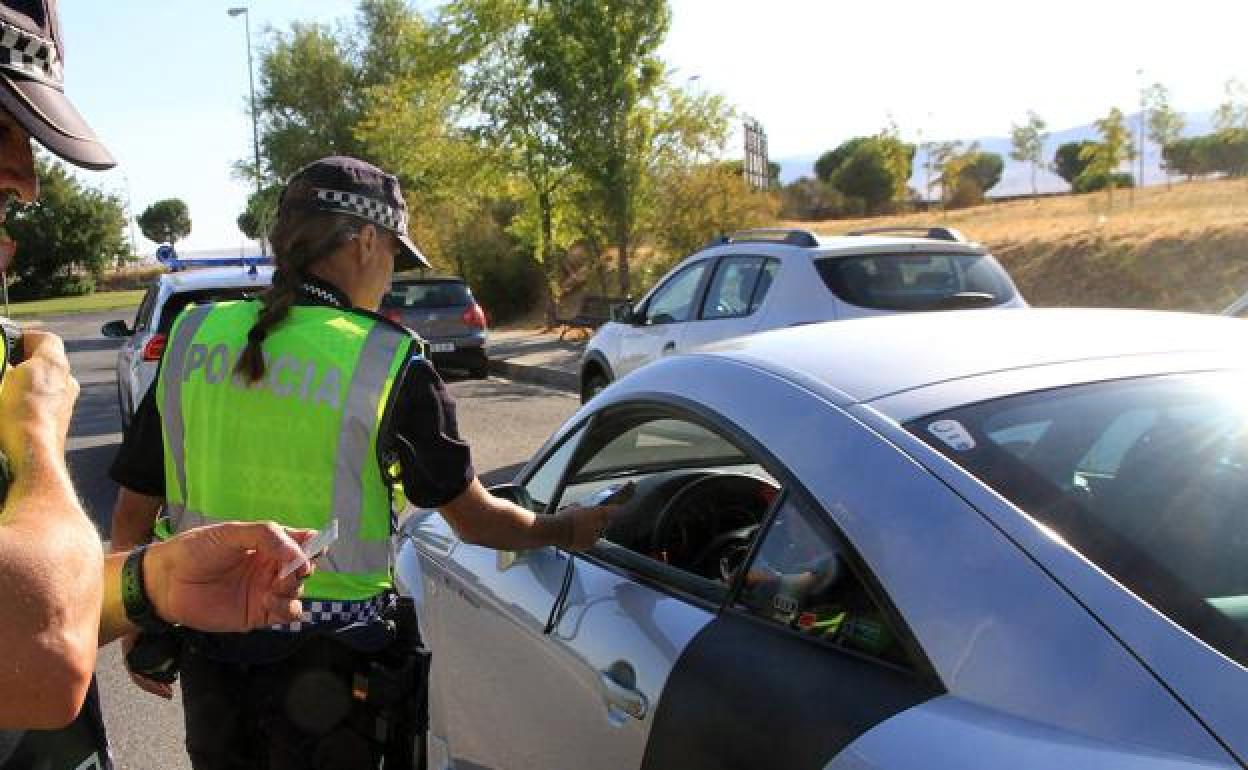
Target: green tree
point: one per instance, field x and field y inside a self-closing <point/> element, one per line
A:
<point x="951" y="158"/>
<point x="867" y="174"/>
<point x="257" y="218"/>
<point x="167" y="221"/>
<point x="899" y="156"/>
<point x="598" y="62"/>
<point x="308" y="98"/>
<point x="1114" y="149"/>
<point x="67" y="239"/>
<point x="1070" y="160"/>
<point x="1028" y="144"/>
<point x="515" y="117"/>
<point x="1233" y="113"/>
<point x="697" y="202"/>
<point x="984" y="169"/>
<point x="1184" y="156"/>
<point x="1165" y="124"/>
<point x="828" y="163"/>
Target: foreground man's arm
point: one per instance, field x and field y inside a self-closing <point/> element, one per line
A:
<point x="50" y="555"/>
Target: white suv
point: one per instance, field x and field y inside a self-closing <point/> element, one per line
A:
<point x="139" y="356"/>
<point x="766" y="279"/>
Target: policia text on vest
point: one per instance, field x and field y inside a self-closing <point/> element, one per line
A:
<point x="286" y="376"/>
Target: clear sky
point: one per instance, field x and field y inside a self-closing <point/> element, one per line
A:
<point x="164" y="82"/>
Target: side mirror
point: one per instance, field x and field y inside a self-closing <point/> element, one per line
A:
<point x="620" y="313"/>
<point x="116" y="329"/>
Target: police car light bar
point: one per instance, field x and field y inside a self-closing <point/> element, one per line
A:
<point x="176" y="264"/>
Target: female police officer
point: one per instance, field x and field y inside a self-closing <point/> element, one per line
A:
<point x="294" y="408"/>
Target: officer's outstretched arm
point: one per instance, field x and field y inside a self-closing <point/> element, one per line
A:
<point x="133" y="517"/>
<point x="483" y="519"/>
<point x="50" y="554"/>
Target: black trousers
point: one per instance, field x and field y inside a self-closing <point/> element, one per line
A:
<point x="295" y="714"/>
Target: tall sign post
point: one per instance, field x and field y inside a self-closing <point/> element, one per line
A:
<point x="757" y="167"/>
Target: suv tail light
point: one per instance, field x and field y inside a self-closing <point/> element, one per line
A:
<point x="474" y="316"/>
<point x="393" y="315"/>
<point x="155" y="347"/>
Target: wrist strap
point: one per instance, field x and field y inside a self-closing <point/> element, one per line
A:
<point x="134" y="596"/>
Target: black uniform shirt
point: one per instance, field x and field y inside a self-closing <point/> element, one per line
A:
<point x="436" y="464"/>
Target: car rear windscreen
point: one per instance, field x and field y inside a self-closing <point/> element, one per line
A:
<point x="1146" y="478"/>
<point x="910" y="282"/>
<point x="178" y="302"/>
<point x="430" y="294"/>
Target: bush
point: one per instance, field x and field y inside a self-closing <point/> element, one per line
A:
<point x="48" y="287"/>
<point x="1069" y="161"/>
<point x="967" y="193"/>
<point x="1089" y="182"/>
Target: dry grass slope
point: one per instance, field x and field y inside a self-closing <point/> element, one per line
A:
<point x="1179" y="249"/>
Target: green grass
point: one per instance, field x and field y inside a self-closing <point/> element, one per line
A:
<point x="100" y="300"/>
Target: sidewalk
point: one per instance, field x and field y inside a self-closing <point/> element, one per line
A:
<point x="531" y="355"/>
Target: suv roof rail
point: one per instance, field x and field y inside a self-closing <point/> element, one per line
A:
<point x="937" y="233"/>
<point x="791" y="236"/>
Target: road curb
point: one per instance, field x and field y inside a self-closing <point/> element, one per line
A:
<point x="536" y="375"/>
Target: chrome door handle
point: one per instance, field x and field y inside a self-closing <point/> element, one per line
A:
<point x="622" y="698"/>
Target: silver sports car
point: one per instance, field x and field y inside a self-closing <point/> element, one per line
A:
<point x="961" y="540"/>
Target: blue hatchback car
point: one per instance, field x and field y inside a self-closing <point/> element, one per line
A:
<point x="964" y="540"/>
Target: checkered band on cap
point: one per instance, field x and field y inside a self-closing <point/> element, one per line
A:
<point x="29" y="55"/>
<point x="375" y="211"/>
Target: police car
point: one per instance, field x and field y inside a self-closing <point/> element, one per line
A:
<point x="941" y="541"/>
<point x="144" y="342"/>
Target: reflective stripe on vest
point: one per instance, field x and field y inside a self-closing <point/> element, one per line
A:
<point x="358" y="563"/>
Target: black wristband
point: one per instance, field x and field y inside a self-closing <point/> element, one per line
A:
<point x="134" y="597"/>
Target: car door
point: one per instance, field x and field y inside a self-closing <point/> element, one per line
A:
<point x="661" y="322"/>
<point x="734" y="295"/>
<point x="548" y="661"/>
<point x="130" y="352"/>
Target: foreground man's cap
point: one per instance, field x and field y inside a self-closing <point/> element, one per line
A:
<point x="32" y="84"/>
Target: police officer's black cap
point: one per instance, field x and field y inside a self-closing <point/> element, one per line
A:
<point x="351" y="186"/>
<point x="32" y="84"/>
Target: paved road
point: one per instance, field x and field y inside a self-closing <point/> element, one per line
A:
<point x="504" y="421"/>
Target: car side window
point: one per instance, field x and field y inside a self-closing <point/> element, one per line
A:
<point x="674" y="301"/>
<point x="143" y="318"/>
<point x="694" y="504"/>
<point x="732" y="288"/>
<point x="800" y="578"/>
<point x="771" y="268"/>
<point x="544" y="483"/>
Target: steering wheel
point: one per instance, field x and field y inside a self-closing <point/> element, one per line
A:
<point x="724" y="556"/>
<point x="730" y="505"/>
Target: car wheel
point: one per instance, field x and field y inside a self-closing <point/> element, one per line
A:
<point x="593" y="384"/>
<point x="481" y="367"/>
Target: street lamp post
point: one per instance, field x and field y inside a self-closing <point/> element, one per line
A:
<point x="255" y="128"/>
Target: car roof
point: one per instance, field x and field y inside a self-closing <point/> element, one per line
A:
<point x="866" y="359"/>
<point x="217" y="278"/>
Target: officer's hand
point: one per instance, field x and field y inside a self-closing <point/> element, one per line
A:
<point x="36" y="401"/>
<point x="584" y="525"/>
<point x="224" y="577"/>
<point x="159" y="689"/>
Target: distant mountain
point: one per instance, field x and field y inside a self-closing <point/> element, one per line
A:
<point x="1016" y="179"/>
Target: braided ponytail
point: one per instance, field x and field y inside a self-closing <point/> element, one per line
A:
<point x="300" y="238"/>
<point x="275" y="306"/>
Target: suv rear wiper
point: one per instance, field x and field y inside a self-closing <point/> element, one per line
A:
<point x="965" y="299"/>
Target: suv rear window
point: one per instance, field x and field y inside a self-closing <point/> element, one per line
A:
<point x="178" y="302"/>
<point x="916" y="281"/>
<point x="427" y="294"/>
